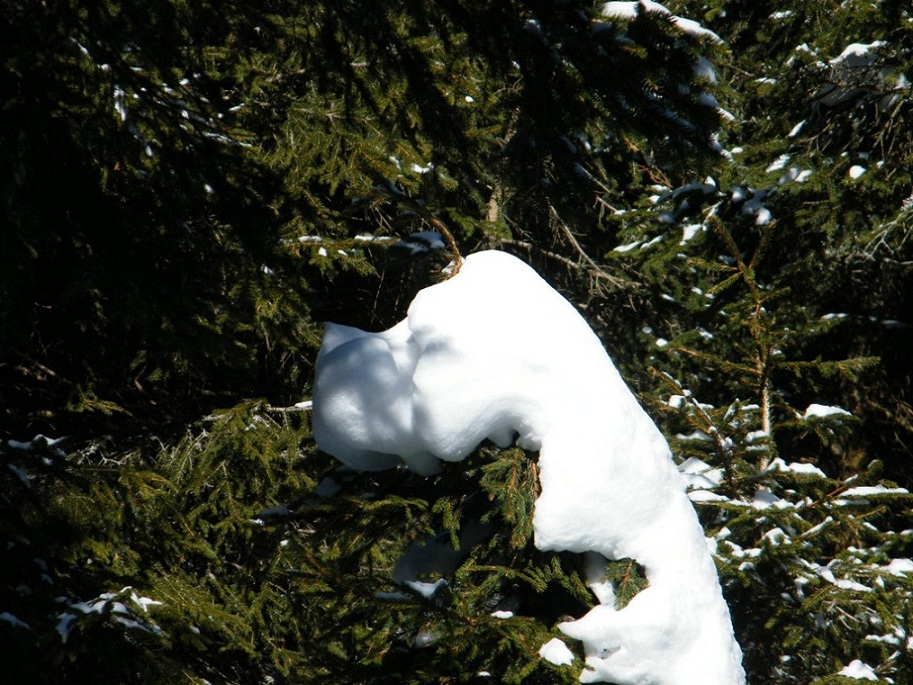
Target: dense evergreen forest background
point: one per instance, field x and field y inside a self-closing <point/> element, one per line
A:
<point x="190" y="189"/>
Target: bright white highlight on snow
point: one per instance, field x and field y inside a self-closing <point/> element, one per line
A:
<point x="779" y="163"/>
<point x="556" y="652"/>
<point x="858" y="54"/>
<point x="495" y="352"/>
<point x="900" y="567"/>
<point x="870" y="490"/>
<point x="797" y="467"/>
<point x="859" y="670"/>
<point x="822" y="411"/>
<point x="629" y="10"/>
<point x="110" y="604"/>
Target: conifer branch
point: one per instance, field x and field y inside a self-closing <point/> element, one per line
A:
<point x="565" y="229"/>
<point x="614" y="281"/>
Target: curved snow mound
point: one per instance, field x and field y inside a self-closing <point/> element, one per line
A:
<point x="495" y="352"/>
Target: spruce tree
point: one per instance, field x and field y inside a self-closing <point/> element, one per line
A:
<point x="187" y="193"/>
<point x="770" y="339"/>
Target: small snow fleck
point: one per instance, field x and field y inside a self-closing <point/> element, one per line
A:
<point x="422" y="242"/>
<point x="867" y="491"/>
<point x="764" y="499"/>
<point x="776" y="536"/>
<point x="796" y="129"/>
<point x="821" y="411"/>
<point x="797" y="467"/>
<point x="423" y="638"/>
<point x="502" y="614"/>
<point x="698" y="496"/>
<point x="858" y="670"/>
<point x="700" y="475"/>
<point x="689" y="231"/>
<point x="817" y="528"/>
<point x="15" y="621"/>
<point x="64" y="622"/>
<point x="144" y="602"/>
<point x="39" y="442"/>
<point x="369" y="238"/>
<point x="900" y="567"/>
<point x="756" y="436"/>
<point x="856" y="171"/>
<point x="556" y="652"/>
<point x="628" y="10"/>
<point x="858" y="54"/>
<point x="21" y="475"/>
<point x="842" y="583"/>
<point x="762" y="217"/>
<point x="703" y="68"/>
<point x="695" y="30"/>
<point x="426" y="590"/>
<point x="779" y="163"/>
<point x="628" y="247"/>
<point x="809" y="469"/>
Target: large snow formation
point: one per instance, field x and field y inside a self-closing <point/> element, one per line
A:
<point x="494" y="352"/>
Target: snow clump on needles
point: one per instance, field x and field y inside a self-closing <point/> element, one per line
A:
<point x="496" y="353"/>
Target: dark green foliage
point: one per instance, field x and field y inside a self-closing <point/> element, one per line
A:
<point x="371" y="629"/>
<point x="136" y="225"/>
<point x="93" y="535"/>
<point x="806" y="559"/>
<point x="154" y="152"/>
<point x="253" y="573"/>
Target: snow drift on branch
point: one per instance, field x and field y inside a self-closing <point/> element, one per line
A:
<point x="496" y="353"/>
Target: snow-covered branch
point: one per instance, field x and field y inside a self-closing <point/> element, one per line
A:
<point x="496" y="353"/>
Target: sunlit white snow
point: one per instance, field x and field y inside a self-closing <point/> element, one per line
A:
<point x="821" y="411"/>
<point x="858" y="54"/>
<point x="556" y="652"/>
<point x="629" y="10"/>
<point x="494" y="352"/>
<point x="900" y="567"/>
<point x="859" y="670"/>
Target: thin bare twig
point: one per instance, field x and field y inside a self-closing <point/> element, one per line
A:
<point x="595" y="268"/>
<point x="570" y="263"/>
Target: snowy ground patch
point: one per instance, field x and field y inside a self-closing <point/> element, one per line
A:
<point x="496" y="353"/>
